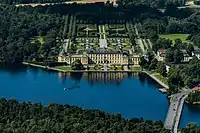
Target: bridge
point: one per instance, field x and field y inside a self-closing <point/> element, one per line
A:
<point x="174" y="112"/>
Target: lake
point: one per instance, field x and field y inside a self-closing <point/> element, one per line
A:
<point x="133" y="95"/>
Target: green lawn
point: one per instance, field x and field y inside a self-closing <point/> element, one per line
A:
<point x="136" y="68"/>
<point x="175" y="36"/>
<point x="161" y="78"/>
<point x="91" y="68"/>
<point x="119" y="68"/>
<point x="39" y="38"/>
<point x="111" y="68"/>
<point x="66" y="68"/>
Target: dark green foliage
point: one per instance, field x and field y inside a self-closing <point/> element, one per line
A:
<point x="17" y="30"/>
<point x="190" y="73"/>
<point x="191" y="128"/>
<point x="153" y="64"/>
<point x="169" y="55"/>
<point x="143" y="63"/>
<point x="175" y="81"/>
<point x="193" y="97"/>
<point x="162" y="43"/>
<point x="178" y="56"/>
<point x="184" y="75"/>
<point x="35" y="118"/>
<point x="190" y="49"/>
<point x="161" y="68"/>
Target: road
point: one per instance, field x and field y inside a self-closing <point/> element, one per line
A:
<point x="139" y="40"/>
<point x="136" y="31"/>
<point x="105" y="67"/>
<point x="150" y="43"/>
<point x="103" y="43"/>
<point x="64" y="47"/>
<point x="102" y="40"/>
<point x="175" y="110"/>
<point x="141" y="45"/>
<point x="145" y="44"/>
<point x="125" y="68"/>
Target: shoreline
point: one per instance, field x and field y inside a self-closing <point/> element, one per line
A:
<point x="59" y="70"/>
<point x="157" y="80"/>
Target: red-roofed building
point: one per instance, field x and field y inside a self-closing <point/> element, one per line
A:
<point x="197" y="88"/>
<point x="161" y="53"/>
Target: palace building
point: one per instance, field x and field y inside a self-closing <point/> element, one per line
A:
<point x="101" y="58"/>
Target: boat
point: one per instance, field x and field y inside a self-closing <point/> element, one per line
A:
<point x="73" y="87"/>
<point x="163" y="90"/>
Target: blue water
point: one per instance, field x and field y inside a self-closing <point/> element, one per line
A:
<point x="133" y="95"/>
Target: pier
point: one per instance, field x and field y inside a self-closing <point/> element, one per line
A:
<point x="175" y="110"/>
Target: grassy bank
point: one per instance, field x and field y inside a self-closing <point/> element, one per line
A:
<point x="65" y="68"/>
<point x="161" y="78"/>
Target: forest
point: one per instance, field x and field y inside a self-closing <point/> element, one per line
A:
<point x="152" y="3"/>
<point x="184" y="75"/>
<point x="29" y="117"/>
<point x="18" y="30"/>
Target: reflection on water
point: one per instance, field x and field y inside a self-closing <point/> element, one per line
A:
<point x="13" y="69"/>
<point x="97" y="77"/>
<point x="143" y="77"/>
<point x="107" y="77"/>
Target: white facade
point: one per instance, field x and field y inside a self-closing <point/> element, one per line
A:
<point x="197" y="54"/>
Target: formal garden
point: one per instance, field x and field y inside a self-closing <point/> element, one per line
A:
<point x="87" y="37"/>
<point x="116" y="30"/>
<point x="87" y="30"/>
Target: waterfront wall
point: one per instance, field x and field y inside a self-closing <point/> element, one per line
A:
<point x="59" y="70"/>
<point x="55" y="69"/>
<point x="157" y="80"/>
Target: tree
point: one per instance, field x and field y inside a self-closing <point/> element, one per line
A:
<point x="143" y="63"/>
<point x="194" y="60"/>
<point x="175" y="81"/>
<point x="150" y="57"/>
<point x="153" y="37"/>
<point x="153" y="64"/>
<point x="178" y="56"/>
<point x="178" y="42"/>
<point x="161" y="68"/>
<point x="169" y="55"/>
<point x="77" y="65"/>
<point x="190" y="49"/>
<point x="162" y="43"/>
